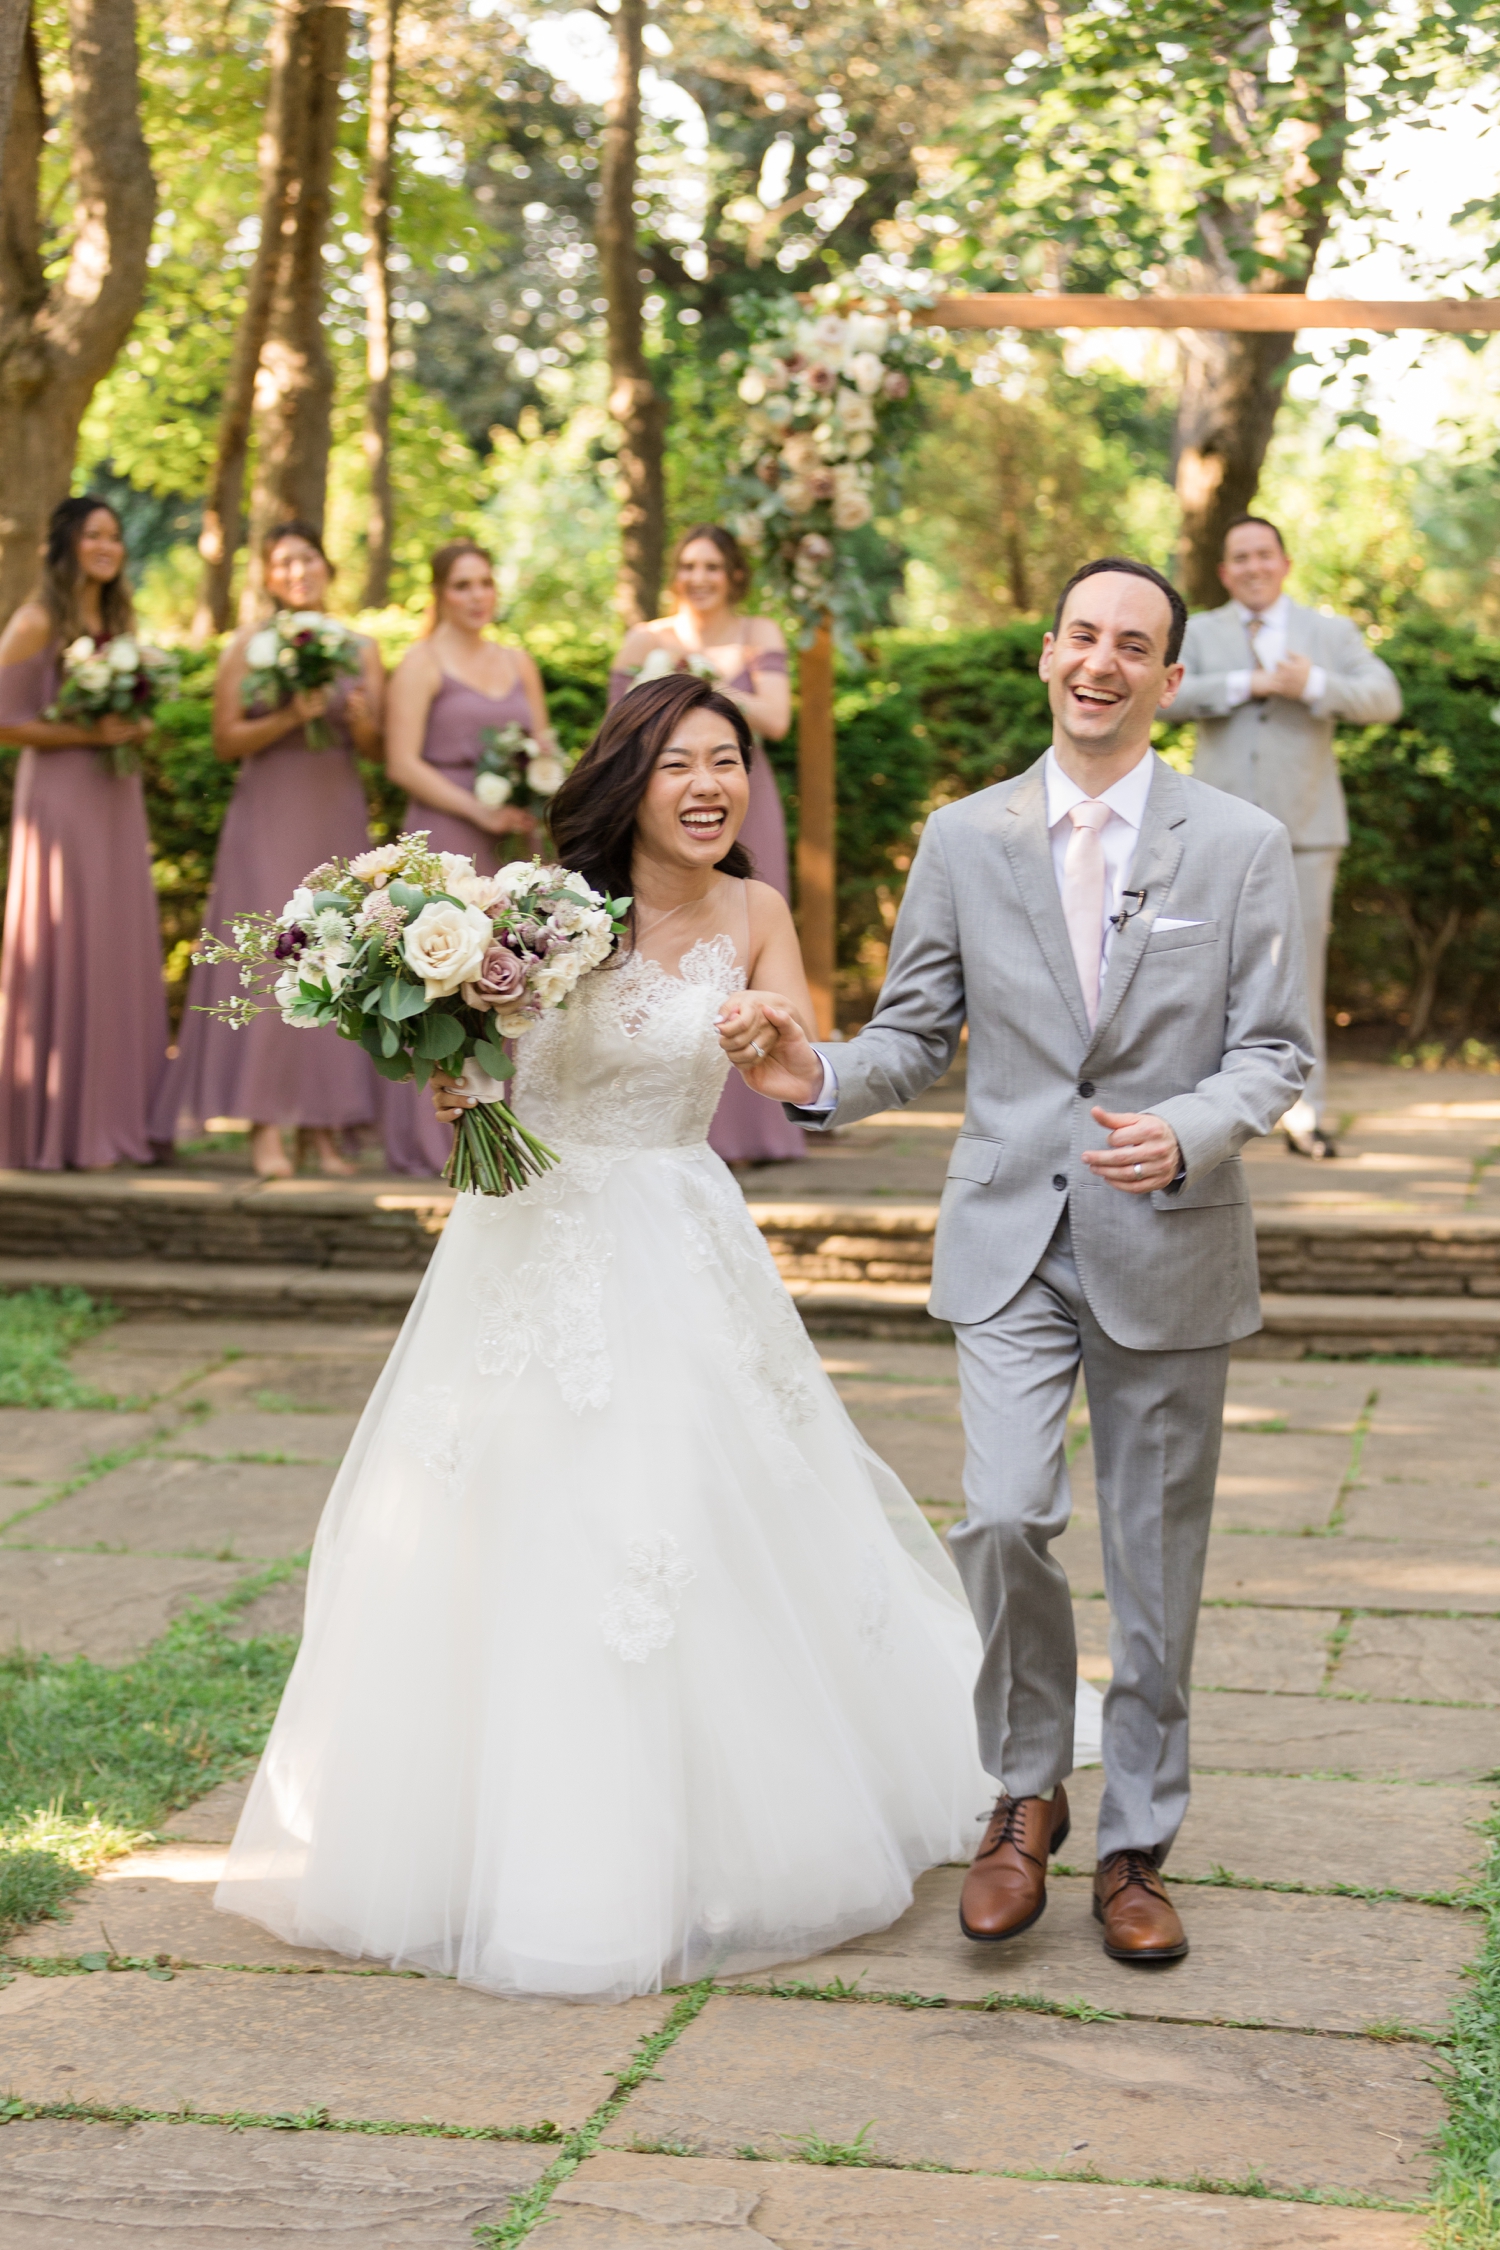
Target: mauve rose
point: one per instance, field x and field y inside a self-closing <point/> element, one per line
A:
<point x="500" y="981"/>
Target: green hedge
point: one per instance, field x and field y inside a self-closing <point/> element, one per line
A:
<point x="934" y="716"/>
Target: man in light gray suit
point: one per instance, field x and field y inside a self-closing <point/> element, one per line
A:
<point x="1266" y="680"/>
<point x="1124" y="944"/>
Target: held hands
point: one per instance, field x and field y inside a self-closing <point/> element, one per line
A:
<point x="309" y="703"/>
<point x="1288" y="678"/>
<point x="504" y="820"/>
<point x="114" y="731"/>
<point x="1142" y="1155"/>
<point x="769" y="1048"/>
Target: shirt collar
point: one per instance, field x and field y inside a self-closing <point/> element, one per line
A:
<point x="1126" y="797"/>
<point x="1275" y="615"/>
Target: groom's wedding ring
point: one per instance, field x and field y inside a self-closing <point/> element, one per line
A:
<point x="1140" y="1168"/>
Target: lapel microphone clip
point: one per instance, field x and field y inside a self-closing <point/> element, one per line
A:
<point x="1128" y="913"/>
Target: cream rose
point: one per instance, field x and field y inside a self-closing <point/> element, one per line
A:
<point x="493" y="790"/>
<point x="445" y="945"/>
<point x="261" y="648"/>
<point x="546" y="775"/>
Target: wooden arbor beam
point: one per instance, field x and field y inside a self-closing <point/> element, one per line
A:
<point x="1256" y="312"/>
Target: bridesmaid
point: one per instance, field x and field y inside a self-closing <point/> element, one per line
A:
<point x="710" y="577"/>
<point x="292" y="807"/>
<point x="83" y="1012"/>
<point x="448" y="688"/>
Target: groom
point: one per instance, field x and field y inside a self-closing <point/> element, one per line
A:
<point x="1125" y="946"/>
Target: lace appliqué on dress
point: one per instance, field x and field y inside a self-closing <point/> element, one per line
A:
<point x="551" y="1308"/>
<point x="429" y="1429"/>
<point x="640" y="1614"/>
<point x="771" y="1347"/>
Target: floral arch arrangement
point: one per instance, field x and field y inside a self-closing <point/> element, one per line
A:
<point x="828" y="381"/>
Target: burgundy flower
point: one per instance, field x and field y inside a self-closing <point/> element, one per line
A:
<point x="291" y="942"/>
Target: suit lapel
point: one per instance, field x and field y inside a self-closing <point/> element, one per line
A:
<point x="1155" y="863"/>
<point x="1301" y="629"/>
<point x="1028" y="847"/>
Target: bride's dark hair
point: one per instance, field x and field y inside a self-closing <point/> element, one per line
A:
<point x="593" y="814"/>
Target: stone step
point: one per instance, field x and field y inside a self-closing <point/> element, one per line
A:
<point x="1295" y="1327"/>
<point x="389" y="1227"/>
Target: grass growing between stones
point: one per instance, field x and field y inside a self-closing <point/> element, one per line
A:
<point x="38" y="1328"/>
<point x="1468" y="2177"/>
<point x="92" y="1755"/>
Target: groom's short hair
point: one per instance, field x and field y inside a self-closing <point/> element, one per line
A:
<point x="1174" y="600"/>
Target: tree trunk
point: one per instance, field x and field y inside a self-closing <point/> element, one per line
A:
<point x="294" y="383"/>
<point x="378" y="180"/>
<point x="1428" y="950"/>
<point x="58" y="342"/>
<point x="14" y="16"/>
<point x="281" y="185"/>
<point x="1232" y="384"/>
<point x="633" y="400"/>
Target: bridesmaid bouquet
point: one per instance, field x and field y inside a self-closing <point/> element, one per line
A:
<point x="661" y="663"/>
<point x="425" y="961"/>
<point x="120" y="678"/>
<point x="514" y="769"/>
<point x="299" y="650"/>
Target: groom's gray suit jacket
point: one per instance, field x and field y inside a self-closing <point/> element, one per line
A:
<point x="1205" y="1026"/>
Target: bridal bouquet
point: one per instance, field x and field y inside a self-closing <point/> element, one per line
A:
<point x="299" y="650"/>
<point x="425" y="961"/>
<point x="120" y="678"/>
<point x="514" y="769"/>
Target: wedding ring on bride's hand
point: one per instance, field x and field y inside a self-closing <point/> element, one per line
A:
<point x="757" y="1049"/>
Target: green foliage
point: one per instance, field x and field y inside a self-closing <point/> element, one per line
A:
<point x="91" y="1755"/>
<point x="38" y="1328"/>
<point x="1139" y="138"/>
<point x="1424" y="808"/>
<point x="1468" y="2180"/>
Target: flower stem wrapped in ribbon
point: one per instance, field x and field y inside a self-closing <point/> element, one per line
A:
<point x="300" y="651"/>
<point x="428" y="963"/>
<point x="121" y="678"/>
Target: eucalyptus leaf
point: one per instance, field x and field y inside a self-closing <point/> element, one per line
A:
<point x="438" y="1037"/>
<point x="493" y="1060"/>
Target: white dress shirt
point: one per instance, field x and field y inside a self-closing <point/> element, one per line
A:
<point x="1270" y="648"/>
<point x="1118" y="838"/>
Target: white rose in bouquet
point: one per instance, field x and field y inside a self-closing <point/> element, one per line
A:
<point x="124" y="654"/>
<point x="659" y="664"/>
<point x="867" y="332"/>
<point x="553" y="979"/>
<point x="519" y="878"/>
<point x="79" y="651"/>
<point x="298" y="909"/>
<point x="493" y="790"/>
<point x="93" y="676"/>
<point x="445" y="945"/>
<point x="260" y="649"/>
<point x="546" y="775"/>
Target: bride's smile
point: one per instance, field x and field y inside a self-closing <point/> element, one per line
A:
<point x="695" y="804"/>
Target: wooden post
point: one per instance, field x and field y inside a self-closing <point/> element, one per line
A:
<point x="816" y="859"/>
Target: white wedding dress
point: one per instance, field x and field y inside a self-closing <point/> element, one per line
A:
<point x="626" y="1661"/>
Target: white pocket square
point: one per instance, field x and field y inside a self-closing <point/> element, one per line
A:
<point x="1165" y="922"/>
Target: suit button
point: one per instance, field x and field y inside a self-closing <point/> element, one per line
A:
<point x="1059" y="1179"/>
<point x="1087" y="1089"/>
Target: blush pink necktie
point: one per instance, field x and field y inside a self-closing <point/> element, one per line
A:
<point x="1083" y="897"/>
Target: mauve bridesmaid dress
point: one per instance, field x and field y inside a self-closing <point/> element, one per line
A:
<point x="83" y="1012"/>
<point x="746" y="1128"/>
<point x="414" y="1140"/>
<point x="292" y="808"/>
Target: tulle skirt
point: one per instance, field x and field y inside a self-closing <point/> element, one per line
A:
<point x="626" y="1661"/>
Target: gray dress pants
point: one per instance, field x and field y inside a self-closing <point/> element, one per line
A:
<point x="1156" y="1419"/>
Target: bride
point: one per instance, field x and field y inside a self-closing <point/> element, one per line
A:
<point x="626" y="1661"/>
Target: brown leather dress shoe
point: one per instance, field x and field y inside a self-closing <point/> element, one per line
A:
<point x="1140" y="1921"/>
<point x="1005" y="1890"/>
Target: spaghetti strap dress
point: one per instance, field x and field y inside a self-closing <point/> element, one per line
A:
<point x="746" y="1128"/>
<point x="83" y="1011"/>
<point x="415" y="1142"/>
<point x="292" y="808"/>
